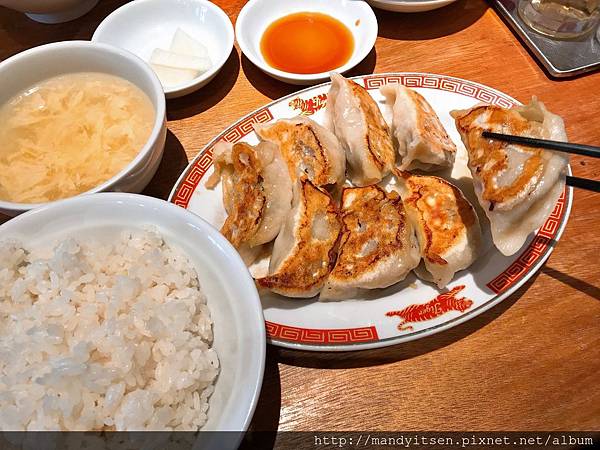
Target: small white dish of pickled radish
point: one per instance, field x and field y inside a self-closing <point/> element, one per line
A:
<point x="186" y="42"/>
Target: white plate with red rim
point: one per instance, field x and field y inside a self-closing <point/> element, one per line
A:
<point x="410" y="309"/>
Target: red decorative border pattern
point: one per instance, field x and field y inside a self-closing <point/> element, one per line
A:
<point x="537" y="248"/>
<point x="320" y="336"/>
<point x="192" y="178"/>
<point x="444" y="84"/>
<point x="245" y="126"/>
<point x="533" y="252"/>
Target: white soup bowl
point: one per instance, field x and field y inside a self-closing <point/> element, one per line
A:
<point x="32" y="66"/>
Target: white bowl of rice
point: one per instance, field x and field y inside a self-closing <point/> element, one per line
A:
<point x="125" y="312"/>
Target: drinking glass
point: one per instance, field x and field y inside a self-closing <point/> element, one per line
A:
<point x="563" y="19"/>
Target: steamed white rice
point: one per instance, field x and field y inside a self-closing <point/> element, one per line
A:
<point x="96" y="336"/>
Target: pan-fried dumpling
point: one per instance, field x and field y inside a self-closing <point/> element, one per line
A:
<point x="377" y="246"/>
<point x="356" y="120"/>
<point x="308" y="149"/>
<point x="517" y="186"/>
<point x="447" y="226"/>
<point x="422" y="140"/>
<point x="257" y="193"/>
<point x="304" y="251"/>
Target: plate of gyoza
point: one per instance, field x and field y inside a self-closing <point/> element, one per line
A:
<point x="371" y="211"/>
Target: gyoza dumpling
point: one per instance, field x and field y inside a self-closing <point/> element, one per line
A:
<point x="303" y="253"/>
<point x="517" y="186"/>
<point x="308" y="149"/>
<point x="446" y="223"/>
<point x="377" y="246"/>
<point x="357" y="122"/>
<point x="257" y="193"/>
<point x="422" y="140"/>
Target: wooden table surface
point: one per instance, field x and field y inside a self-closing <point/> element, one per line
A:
<point x="530" y="363"/>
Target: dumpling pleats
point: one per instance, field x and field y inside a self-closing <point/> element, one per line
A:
<point x="257" y="194"/>
<point x="421" y="139"/>
<point x="357" y="122"/>
<point x="308" y="149"/>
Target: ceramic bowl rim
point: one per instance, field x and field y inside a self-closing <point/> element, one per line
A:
<point x="231" y="256"/>
<point x="228" y="33"/>
<point x="355" y="59"/>
<point x="141" y="67"/>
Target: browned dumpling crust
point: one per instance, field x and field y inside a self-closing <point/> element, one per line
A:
<point x="489" y="158"/>
<point x="378" y="140"/>
<point x="257" y="194"/>
<point x="429" y="125"/>
<point x="442" y="212"/>
<point x="516" y="186"/>
<point x="308" y="149"/>
<point x="446" y="224"/>
<point x="304" y="251"/>
<point x="355" y="118"/>
<point x="247" y="199"/>
<point x="377" y="245"/>
<point x="421" y="138"/>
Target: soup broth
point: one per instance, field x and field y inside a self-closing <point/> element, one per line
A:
<point x="68" y="134"/>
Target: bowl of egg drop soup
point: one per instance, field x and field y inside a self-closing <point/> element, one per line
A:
<point x="77" y="118"/>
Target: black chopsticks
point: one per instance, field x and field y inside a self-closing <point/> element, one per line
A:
<point x="583" y="183"/>
<point x="566" y="147"/>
